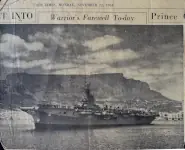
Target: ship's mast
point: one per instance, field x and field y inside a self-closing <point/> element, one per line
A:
<point x="89" y="98"/>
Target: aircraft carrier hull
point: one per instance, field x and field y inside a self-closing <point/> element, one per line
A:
<point x="93" y="122"/>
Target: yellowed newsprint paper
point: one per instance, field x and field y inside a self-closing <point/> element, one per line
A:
<point x="91" y="74"/>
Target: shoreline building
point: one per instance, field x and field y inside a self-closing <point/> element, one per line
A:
<point x="172" y="116"/>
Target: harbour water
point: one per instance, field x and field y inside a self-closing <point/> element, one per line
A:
<point x="113" y="138"/>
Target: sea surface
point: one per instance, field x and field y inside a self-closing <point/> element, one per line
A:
<point x="113" y="138"/>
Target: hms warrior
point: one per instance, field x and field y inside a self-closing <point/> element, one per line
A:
<point x="87" y="113"/>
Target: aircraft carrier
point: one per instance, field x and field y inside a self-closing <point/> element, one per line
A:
<point x="88" y="113"/>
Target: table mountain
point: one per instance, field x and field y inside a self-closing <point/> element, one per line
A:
<point x="29" y="89"/>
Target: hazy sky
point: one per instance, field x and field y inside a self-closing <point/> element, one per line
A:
<point x="153" y="54"/>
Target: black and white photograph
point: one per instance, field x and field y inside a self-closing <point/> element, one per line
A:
<point x="91" y="87"/>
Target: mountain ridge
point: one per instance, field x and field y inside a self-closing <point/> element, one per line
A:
<point x="112" y="87"/>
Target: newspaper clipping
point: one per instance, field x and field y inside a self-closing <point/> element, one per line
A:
<point x="91" y="75"/>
